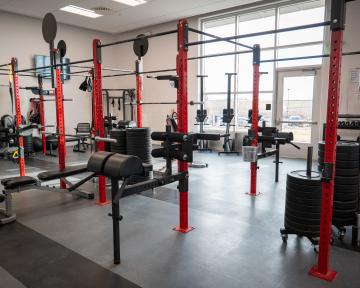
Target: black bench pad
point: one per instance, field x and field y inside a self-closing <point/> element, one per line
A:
<point x="17" y="182"/>
<point x="57" y="174"/>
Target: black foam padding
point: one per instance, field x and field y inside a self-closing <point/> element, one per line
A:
<point x="67" y="172"/>
<point x="18" y="182"/>
<point x="97" y="161"/>
<point x="119" y="166"/>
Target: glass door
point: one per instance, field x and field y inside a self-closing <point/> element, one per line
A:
<point x="298" y="108"/>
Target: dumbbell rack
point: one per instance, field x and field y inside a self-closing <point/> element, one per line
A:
<point x="349" y="125"/>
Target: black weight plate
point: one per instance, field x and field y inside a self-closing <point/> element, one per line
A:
<point x="343" y="222"/>
<point x="347" y="164"/>
<point x="141" y="45"/>
<point x="300" y="227"/>
<point x="342" y="147"/>
<point x="304" y="194"/>
<point x="49" y="28"/>
<point x="62" y="48"/>
<point x="306" y="188"/>
<point x="300" y="220"/>
<point x="304" y="208"/>
<point x="302" y="214"/>
<point x="300" y="177"/>
<point x="347" y="172"/>
<point x="291" y="199"/>
<point x="347" y="156"/>
<point x="346" y="196"/>
<point x="352" y="180"/>
<point x="349" y="205"/>
<point x="346" y="188"/>
<point x="341" y="214"/>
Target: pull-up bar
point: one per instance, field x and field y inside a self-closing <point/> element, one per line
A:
<point x="134" y="39"/>
<point x="54" y="66"/>
<point x="289" y="29"/>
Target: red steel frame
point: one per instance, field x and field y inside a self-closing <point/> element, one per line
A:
<point x="98" y="114"/>
<point x="255" y="117"/>
<point x="182" y="110"/>
<point x="60" y="123"/>
<point x="14" y="64"/>
<point x="322" y="270"/>
<point x="139" y="93"/>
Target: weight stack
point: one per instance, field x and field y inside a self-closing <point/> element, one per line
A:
<point x="346" y="190"/>
<point x="120" y="136"/>
<point x="28" y="144"/>
<point x="303" y="203"/>
<point x="138" y="143"/>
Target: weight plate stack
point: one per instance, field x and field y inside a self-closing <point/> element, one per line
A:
<point x="303" y="203"/>
<point x="37" y="144"/>
<point x="28" y="144"/>
<point x="138" y="143"/>
<point x="120" y="136"/>
<point x="346" y="191"/>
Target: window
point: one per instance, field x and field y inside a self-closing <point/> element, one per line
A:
<point x="273" y="46"/>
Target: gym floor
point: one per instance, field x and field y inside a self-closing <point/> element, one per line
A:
<point x="62" y="242"/>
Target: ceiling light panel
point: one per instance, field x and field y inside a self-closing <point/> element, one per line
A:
<point x="80" y="11"/>
<point x="131" y="2"/>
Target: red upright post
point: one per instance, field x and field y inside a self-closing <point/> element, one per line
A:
<point x="98" y="113"/>
<point x="322" y="270"/>
<point x="60" y="123"/>
<point x="255" y="116"/>
<point x="182" y="111"/>
<point x="42" y="115"/>
<point x="14" y="65"/>
<point x="139" y="93"/>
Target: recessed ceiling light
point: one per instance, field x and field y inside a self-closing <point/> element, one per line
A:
<point x="80" y="11"/>
<point x="131" y="2"/>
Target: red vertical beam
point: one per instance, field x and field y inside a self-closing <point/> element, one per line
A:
<point x="14" y="65"/>
<point x="98" y="113"/>
<point x="139" y="93"/>
<point x="255" y="116"/>
<point x="60" y="123"/>
<point x="42" y="115"/>
<point x="322" y="270"/>
<point x="182" y="112"/>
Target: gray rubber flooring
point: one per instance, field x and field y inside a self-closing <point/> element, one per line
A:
<point x="236" y="241"/>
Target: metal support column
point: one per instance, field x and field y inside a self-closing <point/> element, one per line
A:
<point x="14" y="64"/>
<point x="182" y="110"/>
<point x="139" y="92"/>
<point x="60" y="123"/>
<point x="322" y="270"/>
<point x="99" y="129"/>
<point x="255" y="116"/>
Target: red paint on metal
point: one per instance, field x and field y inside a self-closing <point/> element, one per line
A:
<point x="18" y="115"/>
<point x="60" y="124"/>
<point x="139" y="95"/>
<point x="255" y="125"/>
<point x="99" y="129"/>
<point x="322" y="270"/>
<point x="182" y="114"/>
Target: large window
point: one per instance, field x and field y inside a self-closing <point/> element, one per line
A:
<point x="280" y="46"/>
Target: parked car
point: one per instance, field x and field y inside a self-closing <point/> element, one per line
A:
<point x="296" y="118"/>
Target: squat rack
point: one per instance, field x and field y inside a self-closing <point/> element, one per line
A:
<point x="337" y="26"/>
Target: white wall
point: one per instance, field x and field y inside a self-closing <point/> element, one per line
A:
<point x="22" y="38"/>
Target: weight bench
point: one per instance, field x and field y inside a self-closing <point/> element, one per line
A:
<point x="23" y="183"/>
